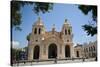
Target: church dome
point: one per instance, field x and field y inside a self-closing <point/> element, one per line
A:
<point x="39" y="21"/>
<point x="67" y="22"/>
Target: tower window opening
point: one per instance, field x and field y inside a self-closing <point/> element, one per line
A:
<point x="35" y="31"/>
<point x="69" y="31"/>
<point x="39" y="30"/>
<point x="65" y="32"/>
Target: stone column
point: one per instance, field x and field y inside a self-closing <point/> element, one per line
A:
<point x="58" y="51"/>
<point x="44" y="54"/>
<point x="72" y="51"/>
<point x="63" y="52"/>
<point x="30" y="53"/>
<point x="40" y="54"/>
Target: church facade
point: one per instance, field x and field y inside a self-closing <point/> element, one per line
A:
<point x="44" y="45"/>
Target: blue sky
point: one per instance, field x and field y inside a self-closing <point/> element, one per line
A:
<point x="57" y="16"/>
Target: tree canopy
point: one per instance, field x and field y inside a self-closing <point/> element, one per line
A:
<point x="91" y="29"/>
<point x="16" y="6"/>
<point x="28" y="37"/>
<point x="16" y="16"/>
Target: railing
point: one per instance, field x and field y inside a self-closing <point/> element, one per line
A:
<point x="55" y="60"/>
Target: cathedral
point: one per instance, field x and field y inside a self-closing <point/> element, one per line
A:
<point x="44" y="45"/>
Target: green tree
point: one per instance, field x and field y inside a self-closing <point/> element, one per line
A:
<point x="91" y="28"/>
<point x="16" y="6"/>
<point x="15" y="55"/>
<point x="28" y="37"/>
<point x="16" y="16"/>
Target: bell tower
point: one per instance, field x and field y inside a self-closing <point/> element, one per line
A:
<point x="38" y="30"/>
<point x="66" y="32"/>
<point x="67" y="36"/>
<point x="38" y="27"/>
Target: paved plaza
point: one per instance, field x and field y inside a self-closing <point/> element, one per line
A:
<point x="54" y="62"/>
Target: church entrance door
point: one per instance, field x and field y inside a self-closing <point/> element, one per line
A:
<point x="67" y="51"/>
<point x="36" y="52"/>
<point x="52" y="51"/>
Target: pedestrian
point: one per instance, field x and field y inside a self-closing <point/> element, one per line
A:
<point x="83" y="59"/>
<point x="96" y="59"/>
<point x="56" y="60"/>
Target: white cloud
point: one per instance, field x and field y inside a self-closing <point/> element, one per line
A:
<point x="15" y="44"/>
<point x="75" y="44"/>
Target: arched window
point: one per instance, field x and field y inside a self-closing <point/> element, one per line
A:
<point x="93" y="48"/>
<point x="65" y="32"/>
<point x="89" y="48"/>
<point x="69" y="31"/>
<point x="39" y="30"/>
<point x="35" y="31"/>
<point x="86" y="49"/>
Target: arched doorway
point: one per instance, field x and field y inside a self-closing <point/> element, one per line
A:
<point x="36" y="52"/>
<point x="77" y="53"/>
<point x="52" y="51"/>
<point x="67" y="51"/>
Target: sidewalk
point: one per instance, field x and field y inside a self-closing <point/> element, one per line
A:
<point x="53" y="62"/>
